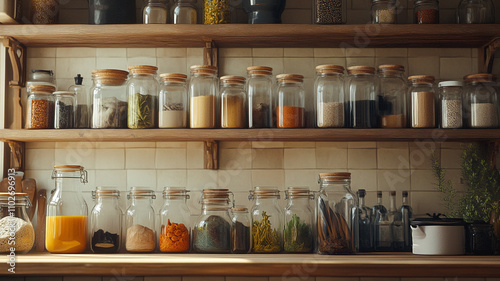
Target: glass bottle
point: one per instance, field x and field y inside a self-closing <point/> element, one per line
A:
<point x="217" y="12"/>
<point x="82" y="118"/>
<point x="40" y="107"/>
<point x="330" y="11"/>
<point x="384" y="11"/>
<point x="240" y="231"/>
<point x="299" y="221"/>
<point x="329" y="94"/>
<point x="406" y="217"/>
<point x="392" y="98"/>
<point x="184" y="12"/>
<point x="495" y="221"/>
<point x="422" y="97"/>
<point x="362" y="224"/>
<point x="15" y="219"/>
<point x="476" y="11"/>
<point x="66" y="222"/>
<point x="142" y="92"/>
<point x="106" y="221"/>
<point x="260" y="87"/>
<point x="426" y="11"/>
<point x="450" y="104"/>
<point x="233" y="102"/>
<point x="140" y="221"/>
<point x="64" y="113"/>
<point x="397" y="226"/>
<point x="335" y="204"/>
<point x="481" y="101"/>
<point x="173" y="101"/>
<point x="290" y="111"/>
<point x="361" y="98"/>
<point x="381" y="226"/>
<point x="175" y="221"/>
<point x="109" y="99"/>
<point x="203" y="88"/>
<point x="267" y="220"/>
<point x="155" y="11"/>
<point x="44" y="11"/>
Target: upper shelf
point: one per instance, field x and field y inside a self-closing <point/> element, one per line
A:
<point x="244" y="35"/>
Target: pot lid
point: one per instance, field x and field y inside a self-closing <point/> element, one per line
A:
<point x="436" y="219"/>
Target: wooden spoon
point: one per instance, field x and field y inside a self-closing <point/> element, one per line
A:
<point x="40" y="220"/>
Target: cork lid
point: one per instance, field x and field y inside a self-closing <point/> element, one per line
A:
<point x="421" y="79"/>
<point x="290" y="78"/>
<point x="68" y="168"/>
<point x="239" y="209"/>
<point x="142" y="69"/>
<point x="42" y="88"/>
<point x="391" y="69"/>
<point x="480" y="77"/>
<point x="359" y="69"/>
<point x="203" y="69"/>
<point x="237" y="80"/>
<point x="64" y="93"/>
<point x="173" y="77"/>
<point x="298" y="192"/>
<point x="106" y="191"/>
<point x="16" y="194"/>
<point x="141" y="192"/>
<point x="330" y="68"/>
<point x="259" y="70"/>
<point x="335" y="176"/>
<point x="110" y="76"/>
<point x="215" y="193"/>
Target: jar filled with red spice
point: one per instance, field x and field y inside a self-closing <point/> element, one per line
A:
<point x="426" y="11"/>
<point x="174" y="219"/>
<point x="290" y="111"/>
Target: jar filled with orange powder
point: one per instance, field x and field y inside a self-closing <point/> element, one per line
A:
<point x="290" y="111"/>
<point x="175" y="221"/>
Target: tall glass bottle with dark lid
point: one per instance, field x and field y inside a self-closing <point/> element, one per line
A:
<point x="329" y="94"/>
<point x="267" y="220"/>
<point x="392" y="96"/>
<point x="362" y="224"/>
<point x="361" y="110"/>
<point x="260" y="89"/>
<point x="175" y="219"/>
<point x="106" y="221"/>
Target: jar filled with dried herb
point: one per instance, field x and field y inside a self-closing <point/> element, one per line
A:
<point x="175" y="221"/>
<point x="64" y="113"/>
<point x="422" y="95"/>
<point x="233" y="102"/>
<point x="203" y="88"/>
<point x="240" y="231"/>
<point x="481" y="101"/>
<point x="267" y="220"/>
<point x="290" y="110"/>
<point x="173" y="101"/>
<point x="260" y="88"/>
<point x="392" y="96"/>
<point x="329" y="94"/>
<point x="40" y="107"/>
<point x="299" y="216"/>
<point x="140" y="221"/>
<point x="109" y="99"/>
<point x="217" y="12"/>
<point x="106" y="221"/>
<point x="142" y="92"/>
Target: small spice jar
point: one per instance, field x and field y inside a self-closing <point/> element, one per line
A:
<point x="184" y="12"/>
<point x="422" y="97"/>
<point x="64" y="112"/>
<point x="299" y="220"/>
<point x="290" y="110"/>
<point x="203" y="88"/>
<point x="140" y="221"/>
<point x="106" y="221"/>
<point x="173" y="101"/>
<point x="426" y="11"/>
<point x="44" y="11"/>
<point x="260" y="89"/>
<point x="142" y="92"/>
<point x="233" y="102"/>
<point x="40" y="107"/>
<point x="240" y="231"/>
<point x="109" y="97"/>
<point x="392" y="96"/>
<point x="15" y="220"/>
<point x="267" y="220"/>
<point x="217" y="12"/>
<point x="330" y="11"/>
<point x="383" y="11"/>
<point x="481" y="101"/>
<point x="361" y="110"/>
<point x="329" y="93"/>
<point x="155" y="12"/>
<point x="450" y="104"/>
<point x="476" y="12"/>
<point x="175" y="221"/>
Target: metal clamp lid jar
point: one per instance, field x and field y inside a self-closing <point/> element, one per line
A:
<point x="203" y="88"/>
<point x="14" y="219"/>
<point x="173" y="101"/>
<point x="422" y="100"/>
<point x="140" y="221"/>
<point x="233" y="102"/>
<point x="142" y="92"/>
<point x="329" y="94"/>
<point x="106" y="221"/>
<point x="109" y="99"/>
<point x="290" y="111"/>
<point x="392" y="96"/>
<point x="260" y="90"/>
<point x="481" y="100"/>
<point x="175" y="220"/>
<point x="40" y="107"/>
<point x="299" y="220"/>
<point x="267" y="220"/>
<point x="361" y="110"/>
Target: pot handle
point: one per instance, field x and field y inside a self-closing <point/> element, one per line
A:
<point x="417" y="232"/>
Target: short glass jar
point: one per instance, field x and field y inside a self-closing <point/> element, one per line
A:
<point x="267" y="220"/>
<point x="450" y="104"/>
<point x="384" y="11"/>
<point x="173" y="101"/>
<point x="64" y="109"/>
<point x="233" y="102"/>
<point x="422" y="103"/>
<point x="426" y="11"/>
<point x="203" y="89"/>
<point x="290" y="110"/>
<point x="40" y="107"/>
<point x="155" y="11"/>
<point x="142" y="93"/>
<point x="260" y="89"/>
<point x="392" y="96"/>
<point x="330" y="11"/>
<point x="184" y="12"/>
<point x="106" y="221"/>
<point x="217" y="12"/>
<point x="175" y="219"/>
<point x="109" y="99"/>
<point x="14" y="219"/>
<point x="481" y="101"/>
<point x="140" y="221"/>
<point x="476" y="12"/>
<point x="329" y="94"/>
<point x="361" y="110"/>
<point x="299" y="221"/>
<point x="240" y="230"/>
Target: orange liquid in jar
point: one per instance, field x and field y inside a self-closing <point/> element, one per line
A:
<point x="66" y="234"/>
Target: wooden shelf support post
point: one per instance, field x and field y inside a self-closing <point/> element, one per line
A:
<point x="17" y="54"/>
<point x="211" y="155"/>
<point x="487" y="56"/>
<point x="17" y="155"/>
<point x="211" y="54"/>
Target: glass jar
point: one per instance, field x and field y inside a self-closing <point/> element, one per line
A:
<point x="112" y="11"/>
<point x="361" y="110"/>
<point x="392" y="96"/>
<point x="184" y="12"/>
<point x="299" y="221"/>
<point x="240" y="231"/>
<point x="476" y="11"/>
<point x="450" y="104"/>
<point x="40" y="107"/>
<point x="173" y="101"/>
<point x="82" y="118"/>
<point x="217" y="12"/>
<point x="290" y="112"/>
<point x="66" y="222"/>
<point x="109" y="99"/>
<point x="422" y="104"/>
<point x="334" y="209"/>
<point x="233" y="102"/>
<point x="481" y="239"/>
<point x="267" y="220"/>
<point x="329" y="93"/>
<point x="15" y="220"/>
<point x="426" y="11"/>
<point x="203" y="88"/>
<point x="383" y="11"/>
<point x="330" y="11"/>
<point x="495" y="221"/>
<point x="264" y="12"/>
<point x="64" y="109"/>
<point x="142" y="92"/>
<point x="40" y="77"/>
<point x="106" y="221"/>
<point x="44" y="11"/>
<point x="260" y="87"/>
<point x="140" y="221"/>
<point x="481" y="101"/>
<point x="175" y="221"/>
<point x="155" y="11"/>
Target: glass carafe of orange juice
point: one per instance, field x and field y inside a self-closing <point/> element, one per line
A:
<point x="66" y="226"/>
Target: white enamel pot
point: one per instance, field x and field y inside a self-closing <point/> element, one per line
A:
<point x="438" y="236"/>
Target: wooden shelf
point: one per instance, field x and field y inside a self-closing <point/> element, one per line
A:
<point x="243" y="35"/>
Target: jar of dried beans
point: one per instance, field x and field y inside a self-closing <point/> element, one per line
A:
<point x="383" y="11"/>
<point x="109" y="99"/>
<point x="422" y="101"/>
<point x="330" y="11"/>
<point x="173" y="102"/>
<point x="233" y="102"/>
<point x="329" y="93"/>
<point x="361" y="110"/>
<point x="140" y="221"/>
<point x="203" y="88"/>
<point x="450" y="104"/>
<point x="106" y="221"/>
<point x="392" y="96"/>
<point x="260" y="88"/>
<point x="64" y="109"/>
<point x="175" y="221"/>
<point x="481" y="101"/>
<point x="142" y="92"/>
<point x="267" y="220"/>
<point x="426" y="11"/>
<point x="290" y="110"/>
<point x="217" y="12"/>
<point x="299" y="220"/>
<point x="40" y="107"/>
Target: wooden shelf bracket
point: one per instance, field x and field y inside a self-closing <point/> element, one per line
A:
<point x="17" y="53"/>
<point x="17" y="155"/>
<point x="211" y="155"/>
<point x="488" y="55"/>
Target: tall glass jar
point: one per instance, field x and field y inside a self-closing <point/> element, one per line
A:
<point x="240" y="231"/>
<point x="392" y="100"/>
<point x="203" y="88"/>
<point x="384" y="11"/>
<point x="106" y="221"/>
<point x="233" y="102"/>
<point x="140" y="221"/>
<point x="481" y="101"/>
<point x="267" y="220"/>
<point x="155" y="11"/>
<point x="184" y="12"/>
<point x="40" y="107"/>
<point x="175" y="221"/>
<point x="329" y="93"/>
<point x="217" y="12"/>
<point x="142" y="92"/>
<point x="83" y="102"/>
<point x="476" y="11"/>
<point x="15" y="219"/>
<point x="422" y="103"/>
<point x="66" y="222"/>
<point x="299" y="221"/>
<point x="360" y="105"/>
<point x="330" y="11"/>
<point x="450" y="104"/>
<point x="109" y="99"/>
<point x="335" y="204"/>
<point x="173" y="102"/>
<point x="290" y="110"/>
<point x="64" y="113"/>
<point x="44" y="11"/>
<point x="426" y="11"/>
<point x="260" y="87"/>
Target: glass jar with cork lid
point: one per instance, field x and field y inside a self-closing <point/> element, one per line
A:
<point x="299" y="220"/>
<point x="14" y="219"/>
<point x="203" y="88"/>
<point x="106" y="221"/>
<point x="422" y="101"/>
<point x="142" y="93"/>
<point x="175" y="219"/>
<point x="260" y="87"/>
<point x="290" y="110"/>
<point x="40" y="107"/>
<point x="361" y="110"/>
<point x="64" y="109"/>
<point x="173" y="103"/>
<point x="392" y="96"/>
<point x="267" y="220"/>
<point x="233" y="102"/>
<point x="140" y="221"/>
<point x="481" y="101"/>
<point x="330" y="11"/>
<point x="109" y="99"/>
<point x="384" y="11"/>
<point x="450" y="104"/>
<point x="329" y="93"/>
<point x="426" y="11"/>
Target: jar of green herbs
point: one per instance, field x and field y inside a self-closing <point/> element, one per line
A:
<point x="298" y="231"/>
<point x="267" y="220"/>
<point x="142" y="92"/>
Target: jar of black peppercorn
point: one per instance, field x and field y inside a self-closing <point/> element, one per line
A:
<point x="106" y="221"/>
<point x="65" y="103"/>
<point x="426" y="11"/>
<point x="329" y="11"/>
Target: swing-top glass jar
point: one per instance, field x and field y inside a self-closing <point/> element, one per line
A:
<point x="260" y="96"/>
<point x="481" y="101"/>
<point x="106" y="221"/>
<point x="173" y="102"/>
<point x="233" y="102"/>
<point x="203" y="88"/>
<point x="290" y="110"/>
<point x="329" y="93"/>
<point x="40" y="107"/>
<point x="15" y="219"/>
<point x="299" y="221"/>
<point x="109" y="99"/>
<point x="175" y="221"/>
<point x="142" y="92"/>
<point x="267" y="220"/>
<point x="392" y="96"/>
<point x="140" y="221"/>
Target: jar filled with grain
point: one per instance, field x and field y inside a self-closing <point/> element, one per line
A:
<point x="329" y="94"/>
<point x="44" y="11"/>
<point x="175" y="219"/>
<point x="392" y="96"/>
<point x="422" y="100"/>
<point x="142" y="93"/>
<point x="106" y="221"/>
<point x="217" y="12"/>
<point x="260" y="89"/>
<point x="233" y="102"/>
<point x="481" y="101"/>
<point x="361" y="110"/>
<point x="40" y="107"/>
<point x="267" y="220"/>
<point x="173" y="102"/>
<point x="64" y="109"/>
<point x="384" y="11"/>
<point x="140" y="221"/>
<point x="203" y="88"/>
<point x="426" y="11"/>
<point x="14" y="219"/>
<point x="450" y="104"/>
<point x="330" y="11"/>
<point x="290" y="110"/>
<point x="109" y="99"/>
